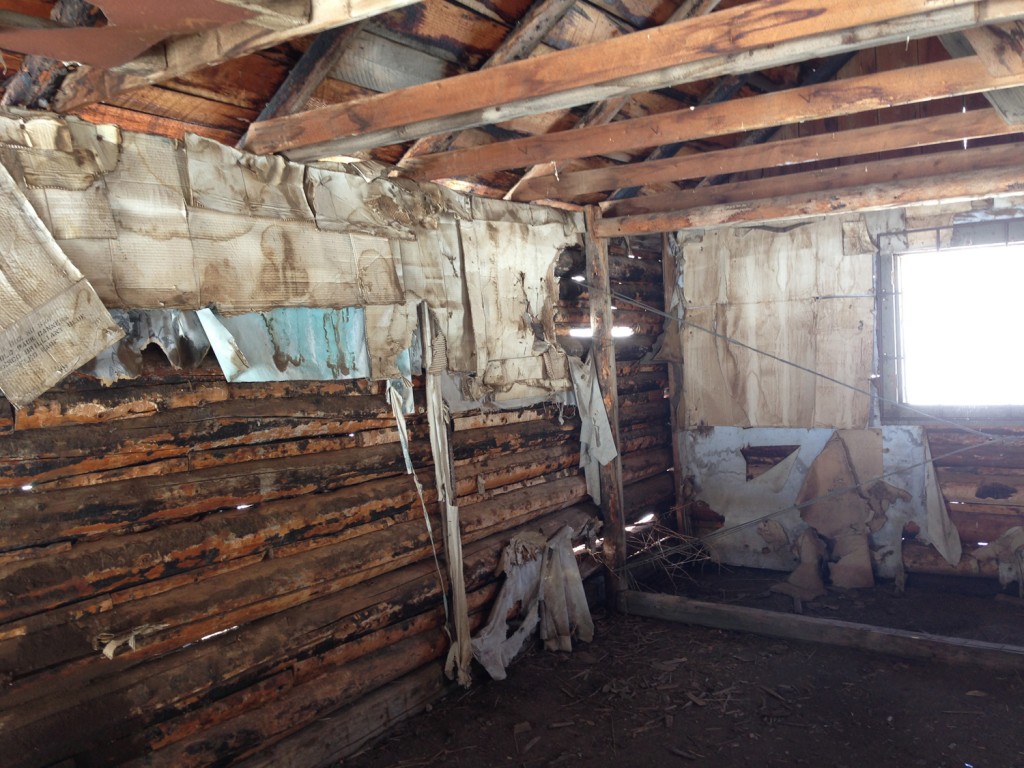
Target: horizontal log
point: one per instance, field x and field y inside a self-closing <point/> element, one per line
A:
<point x="112" y="564"/>
<point x="914" y="645"/>
<point x="488" y="419"/>
<point x="805" y="149"/>
<point x="888" y="189"/>
<point x="641" y="436"/>
<point x="171" y="684"/>
<point x="36" y="455"/>
<point x="190" y="613"/>
<point x="644" y="412"/>
<point x="1000" y="488"/>
<point x="63" y="408"/>
<point x="956" y="448"/>
<point x="222" y="457"/>
<point x="641" y="465"/>
<point x="835" y="98"/>
<point x="493" y="472"/>
<point x="513" y="437"/>
<point x="978" y="524"/>
<point x="822" y="181"/>
<point x="526" y="503"/>
<point x="646" y="381"/>
<point x="342" y="734"/>
<point x="42" y="518"/>
<point x="923" y="558"/>
<point x="400" y="652"/>
<point x="621" y="268"/>
<point x="169" y="740"/>
<point x="649" y="493"/>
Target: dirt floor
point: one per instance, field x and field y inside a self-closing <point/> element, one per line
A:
<point x="648" y="693"/>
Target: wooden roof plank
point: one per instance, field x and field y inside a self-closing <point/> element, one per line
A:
<point x="519" y="44"/>
<point x="920" y="132"/>
<point x="1000" y="48"/>
<point x="604" y="112"/>
<point x="829" y="188"/>
<point x="191" y="52"/>
<point x="749" y="37"/>
<point x="840" y="97"/>
<point x="308" y="73"/>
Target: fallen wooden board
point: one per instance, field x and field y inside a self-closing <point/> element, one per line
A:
<point x="914" y="645"/>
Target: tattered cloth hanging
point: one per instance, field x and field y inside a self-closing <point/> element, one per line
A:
<point x="597" y="443"/>
<point x="542" y="577"/>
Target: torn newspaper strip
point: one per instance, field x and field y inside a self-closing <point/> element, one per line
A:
<point x="51" y="320"/>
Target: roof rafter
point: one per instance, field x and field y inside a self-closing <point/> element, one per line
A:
<point x="909" y="85"/>
<point x="972" y="173"/>
<point x="808" y="149"/>
<point x="826" y="71"/>
<point x="761" y="34"/>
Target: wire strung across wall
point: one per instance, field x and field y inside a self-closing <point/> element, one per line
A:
<point x="990" y="439"/>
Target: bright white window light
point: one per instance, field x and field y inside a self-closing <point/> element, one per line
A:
<point x="618" y="332"/>
<point x="26" y="487"/>
<point x="956" y="308"/>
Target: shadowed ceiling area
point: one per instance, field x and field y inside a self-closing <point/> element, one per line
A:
<point x="667" y="115"/>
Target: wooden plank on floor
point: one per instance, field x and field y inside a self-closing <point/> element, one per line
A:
<point x="897" y="642"/>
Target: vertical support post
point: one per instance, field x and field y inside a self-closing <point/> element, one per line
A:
<point x="603" y="350"/>
<point x="669" y="254"/>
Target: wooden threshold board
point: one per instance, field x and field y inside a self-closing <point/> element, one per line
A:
<point x="896" y="642"/>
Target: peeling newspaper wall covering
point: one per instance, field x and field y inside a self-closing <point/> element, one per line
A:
<point x="154" y="224"/>
<point x="746" y="509"/>
<point x="762" y="525"/>
<point x="51" y="320"/>
<point x="803" y="293"/>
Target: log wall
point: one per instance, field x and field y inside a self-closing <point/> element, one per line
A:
<point x="983" y="485"/>
<point x="195" y="573"/>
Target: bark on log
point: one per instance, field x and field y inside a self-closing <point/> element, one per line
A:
<point x="63" y="408"/>
<point x="109" y="565"/>
<point x="301" y="639"/>
<point x="42" y="518"/>
<point x="36" y="456"/>
<point x="492" y="472"/>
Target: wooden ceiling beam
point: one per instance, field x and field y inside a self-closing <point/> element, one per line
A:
<point x="188" y="53"/>
<point x="909" y="85"/>
<point x="826" y="70"/>
<point x="746" y="38"/>
<point x="808" y="149"/>
<point x="918" y="180"/>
